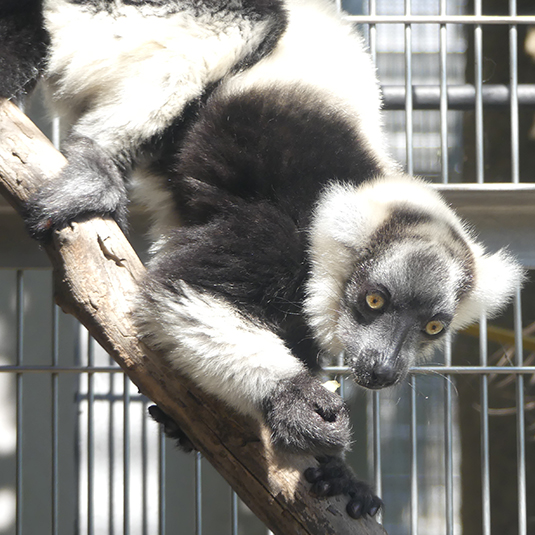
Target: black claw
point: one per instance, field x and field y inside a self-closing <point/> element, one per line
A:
<point x="373" y="510"/>
<point x="171" y="428"/>
<point x="321" y="488"/>
<point x="377" y="503"/>
<point x="354" y="509"/>
<point x="157" y="414"/>
<point x="312" y="474"/>
<point x="333" y="477"/>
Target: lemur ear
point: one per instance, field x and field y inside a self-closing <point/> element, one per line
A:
<point x="496" y="277"/>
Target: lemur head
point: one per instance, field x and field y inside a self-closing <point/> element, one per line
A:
<point x="393" y="271"/>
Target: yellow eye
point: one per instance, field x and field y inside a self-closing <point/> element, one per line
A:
<point x="434" y="327"/>
<point x="375" y="301"/>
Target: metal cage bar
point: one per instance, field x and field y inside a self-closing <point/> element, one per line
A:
<point x="521" y="419"/>
<point x="414" y="457"/>
<point x="443" y="19"/>
<point x="126" y="455"/>
<point x="55" y="419"/>
<point x="485" y="446"/>
<point x="460" y="97"/>
<point x="19" y="357"/>
<point x="90" y="437"/>
<point x="479" y="97"/>
<point x="513" y="84"/>
<point x="161" y="485"/>
<point x="443" y="52"/>
<point x="448" y="444"/>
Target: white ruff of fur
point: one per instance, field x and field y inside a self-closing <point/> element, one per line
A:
<point x="226" y="354"/>
<point x="497" y="277"/>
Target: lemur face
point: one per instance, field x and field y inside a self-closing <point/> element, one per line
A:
<point x="396" y="308"/>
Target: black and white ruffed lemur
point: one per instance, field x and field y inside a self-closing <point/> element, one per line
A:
<point x="282" y="230"/>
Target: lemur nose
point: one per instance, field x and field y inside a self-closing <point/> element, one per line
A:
<point x="383" y="375"/>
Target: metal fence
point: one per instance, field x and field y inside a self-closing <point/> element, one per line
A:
<point x="451" y="451"/>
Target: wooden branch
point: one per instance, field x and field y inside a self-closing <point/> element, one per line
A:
<point x="96" y="273"/>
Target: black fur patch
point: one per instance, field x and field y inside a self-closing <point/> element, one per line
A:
<point x="171" y="429"/>
<point x="254" y="10"/>
<point x="254" y="257"/>
<point x="245" y="177"/>
<point x="333" y="476"/>
<point x="270" y="11"/>
<point x="280" y="145"/>
<point x="304" y="417"/>
<point x="91" y="171"/>
<point x="23" y="46"/>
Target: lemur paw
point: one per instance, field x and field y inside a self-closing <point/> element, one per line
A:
<point x="43" y="213"/>
<point x="305" y="417"/>
<point x="333" y="477"/>
<point x="54" y="207"/>
<point x="171" y="428"/>
<point x="90" y="185"/>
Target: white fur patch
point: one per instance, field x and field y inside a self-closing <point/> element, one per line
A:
<point x="225" y="353"/>
<point x="124" y="76"/>
<point x="497" y="277"/>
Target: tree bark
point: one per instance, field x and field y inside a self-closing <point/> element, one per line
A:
<point x="96" y="274"/>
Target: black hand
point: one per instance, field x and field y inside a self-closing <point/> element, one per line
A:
<point x="305" y="417"/>
<point x="333" y="477"/>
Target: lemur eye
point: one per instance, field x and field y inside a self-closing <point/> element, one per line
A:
<point x="434" y="327"/>
<point x="375" y="300"/>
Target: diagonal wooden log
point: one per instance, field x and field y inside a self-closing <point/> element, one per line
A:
<point x="96" y="273"/>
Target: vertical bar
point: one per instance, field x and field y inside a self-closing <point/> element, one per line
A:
<point x="55" y="430"/>
<point x="198" y="494"/>
<point x="372" y="8"/>
<point x="56" y="131"/>
<point x="443" y="97"/>
<point x="376" y="409"/>
<point x="485" y="449"/>
<point x="515" y="175"/>
<point x="414" y="458"/>
<point x="90" y="436"/>
<point x="409" y="140"/>
<point x="55" y="391"/>
<point x="520" y="415"/>
<point x="111" y="453"/>
<point x="20" y="348"/>
<point x="448" y="434"/>
<point x="126" y="455"/>
<point x="377" y="444"/>
<point x="145" y="475"/>
<point x="408" y="92"/>
<point x="478" y="60"/>
<point x="162" y="486"/>
<point x="234" y="513"/>
<point x="513" y="84"/>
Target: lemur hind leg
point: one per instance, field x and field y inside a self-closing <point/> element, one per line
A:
<point x="171" y="429"/>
